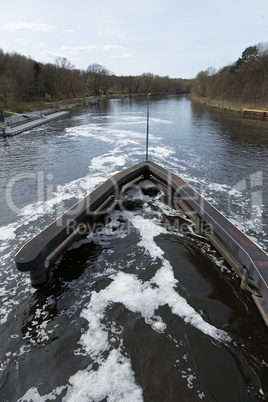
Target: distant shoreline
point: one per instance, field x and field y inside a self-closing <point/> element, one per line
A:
<point x="20" y="108"/>
<point x="226" y="105"/>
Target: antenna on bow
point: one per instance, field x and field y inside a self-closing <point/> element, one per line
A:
<point x="147" y="135"/>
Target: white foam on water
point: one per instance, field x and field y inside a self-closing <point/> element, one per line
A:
<point x="164" y="279"/>
<point x="160" y="152"/>
<point x="158" y="121"/>
<point x="138" y="296"/>
<point x="218" y="187"/>
<point x="78" y="189"/>
<point x="30" y="218"/>
<point x="7" y="233"/>
<point x="32" y="395"/>
<point x="114" y="377"/>
<point x="53" y="206"/>
<point x="90" y="130"/>
<point x="108" y="134"/>
<point x="99" y="161"/>
<point x="134" y="122"/>
<point x="148" y="230"/>
<point x="132" y="119"/>
<point x="113" y="380"/>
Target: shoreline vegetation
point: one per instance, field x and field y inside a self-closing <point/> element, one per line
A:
<point x="226" y="104"/>
<point x="29" y="107"/>
<point x="238" y="86"/>
<point x="28" y="86"/>
<point x="19" y="108"/>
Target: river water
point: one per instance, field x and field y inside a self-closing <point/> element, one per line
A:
<point x="139" y="310"/>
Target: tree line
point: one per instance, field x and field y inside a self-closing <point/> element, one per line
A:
<point x="23" y="79"/>
<point x="244" y="82"/>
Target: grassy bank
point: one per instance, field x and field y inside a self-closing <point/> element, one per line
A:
<point x="24" y="107"/>
<point x="14" y="107"/>
<point x="227" y="105"/>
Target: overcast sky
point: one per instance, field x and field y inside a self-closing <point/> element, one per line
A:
<point x="178" y="38"/>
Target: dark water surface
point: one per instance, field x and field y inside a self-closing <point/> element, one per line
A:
<point x="141" y="309"/>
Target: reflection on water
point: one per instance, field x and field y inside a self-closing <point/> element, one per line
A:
<point x="140" y="310"/>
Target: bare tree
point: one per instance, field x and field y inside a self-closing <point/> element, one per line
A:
<point x="3" y="78"/>
<point x="50" y="79"/>
<point x="65" y="68"/>
<point x="98" y="79"/>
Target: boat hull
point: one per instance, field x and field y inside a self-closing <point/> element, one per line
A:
<point x="246" y="258"/>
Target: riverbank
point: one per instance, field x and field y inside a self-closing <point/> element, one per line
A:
<point x="226" y="105"/>
<point x="20" y="108"/>
<point x="18" y="113"/>
<point x="17" y="109"/>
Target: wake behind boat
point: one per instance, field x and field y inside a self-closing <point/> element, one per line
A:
<point x="245" y="257"/>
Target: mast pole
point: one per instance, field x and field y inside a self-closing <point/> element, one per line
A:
<point x="147" y="134"/>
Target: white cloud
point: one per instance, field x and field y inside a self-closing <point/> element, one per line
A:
<point x="139" y="33"/>
<point x="110" y="47"/>
<point x="75" y="49"/>
<point x="123" y="56"/>
<point x="22" y="41"/>
<point x="26" y="26"/>
<point x="67" y="31"/>
<point x="52" y="55"/>
<point x="42" y="44"/>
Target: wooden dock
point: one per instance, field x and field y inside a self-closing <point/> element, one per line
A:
<point x="31" y="123"/>
<point x="255" y="114"/>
